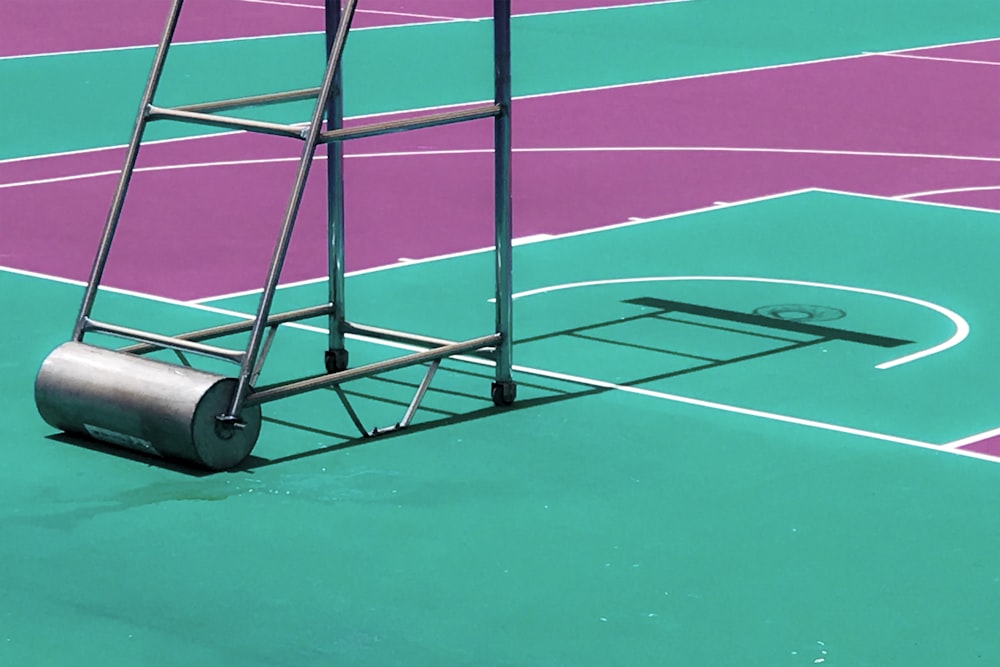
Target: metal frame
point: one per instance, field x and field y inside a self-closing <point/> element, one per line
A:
<point x="329" y="106"/>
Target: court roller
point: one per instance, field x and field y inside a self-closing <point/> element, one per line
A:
<point x="144" y="405"/>
<point x="177" y="412"/>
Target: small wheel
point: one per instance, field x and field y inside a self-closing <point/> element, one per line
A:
<point x="335" y="361"/>
<point x="504" y="393"/>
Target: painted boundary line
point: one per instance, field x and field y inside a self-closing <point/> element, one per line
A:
<point x="593" y="230"/>
<point x="911" y="56"/>
<point x="946" y="191"/>
<point x="533" y="239"/>
<point x="905" y="199"/>
<point x="540" y="149"/>
<point x="440" y="21"/>
<point x="301" y="5"/>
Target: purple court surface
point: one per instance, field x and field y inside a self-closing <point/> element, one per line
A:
<point x="852" y="124"/>
<point x="75" y="25"/>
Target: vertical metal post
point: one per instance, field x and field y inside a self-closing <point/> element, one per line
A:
<point x="504" y="388"/>
<point x="288" y="223"/>
<point x="336" y="355"/>
<point x="131" y="154"/>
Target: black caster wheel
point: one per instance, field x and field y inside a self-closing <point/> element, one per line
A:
<point x="336" y="361"/>
<point x="503" y="393"/>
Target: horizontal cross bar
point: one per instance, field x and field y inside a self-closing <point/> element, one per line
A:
<point x="196" y="118"/>
<point x="160" y="341"/>
<point x="237" y="327"/>
<point x="403" y="337"/>
<point x="283" y="390"/>
<point x="427" y="120"/>
<point x="251" y="101"/>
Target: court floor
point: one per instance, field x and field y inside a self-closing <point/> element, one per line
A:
<point x="755" y="350"/>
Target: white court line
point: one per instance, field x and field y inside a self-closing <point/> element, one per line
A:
<point x="960" y="324"/>
<point x="116" y="147"/>
<point x="282" y="3"/>
<point x="545" y="150"/>
<point x="962" y="442"/>
<point x="447" y="19"/>
<point x="591" y="382"/>
<point x="519" y="241"/>
<point x="894" y="54"/>
<point x="915" y="202"/>
<point x="537" y="238"/>
<point x="224" y="40"/>
<point x="948" y="191"/>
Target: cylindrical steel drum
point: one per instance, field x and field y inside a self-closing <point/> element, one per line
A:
<point x="144" y="404"/>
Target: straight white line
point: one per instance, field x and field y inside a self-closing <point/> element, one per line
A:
<point x="937" y="58"/>
<point x="962" y="442"/>
<point x="165" y="167"/>
<point x="524" y="240"/>
<point x="100" y="149"/>
<point x="431" y="17"/>
<point x="750" y="412"/>
<point x="982" y="40"/>
<point x="771" y="416"/>
<point x="320" y="32"/>
<point x="537" y="238"/>
<point x="948" y="191"/>
<point x="632" y="5"/>
<point x="915" y="202"/>
<point x="282" y="3"/>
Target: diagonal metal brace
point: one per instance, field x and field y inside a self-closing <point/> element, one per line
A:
<point x="411" y="409"/>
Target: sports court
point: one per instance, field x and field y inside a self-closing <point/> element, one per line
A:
<point x="755" y="324"/>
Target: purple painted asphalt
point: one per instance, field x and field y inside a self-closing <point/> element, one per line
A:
<point x="600" y="165"/>
<point x="990" y="446"/>
<point x="49" y="26"/>
<point x="985" y="51"/>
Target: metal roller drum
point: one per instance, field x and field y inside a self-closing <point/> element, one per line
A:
<point x="143" y="404"/>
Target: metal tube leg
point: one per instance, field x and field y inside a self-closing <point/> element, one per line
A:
<point x="504" y="389"/>
<point x="284" y="235"/>
<point x="336" y="355"/>
<point x="118" y="201"/>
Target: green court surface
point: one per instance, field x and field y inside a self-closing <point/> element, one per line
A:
<point x="646" y="523"/>
<point x="733" y="443"/>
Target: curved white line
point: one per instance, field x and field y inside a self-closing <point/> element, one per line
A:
<point x="961" y="326"/>
<point x="947" y="191"/>
<point x="552" y="149"/>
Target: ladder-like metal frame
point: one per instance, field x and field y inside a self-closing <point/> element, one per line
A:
<point x="329" y="105"/>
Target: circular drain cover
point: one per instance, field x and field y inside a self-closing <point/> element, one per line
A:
<point x="797" y="312"/>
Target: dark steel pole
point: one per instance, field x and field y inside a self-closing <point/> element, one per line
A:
<point x="504" y="388"/>
<point x="336" y="356"/>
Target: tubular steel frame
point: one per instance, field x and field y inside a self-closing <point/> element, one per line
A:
<point x="329" y="106"/>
